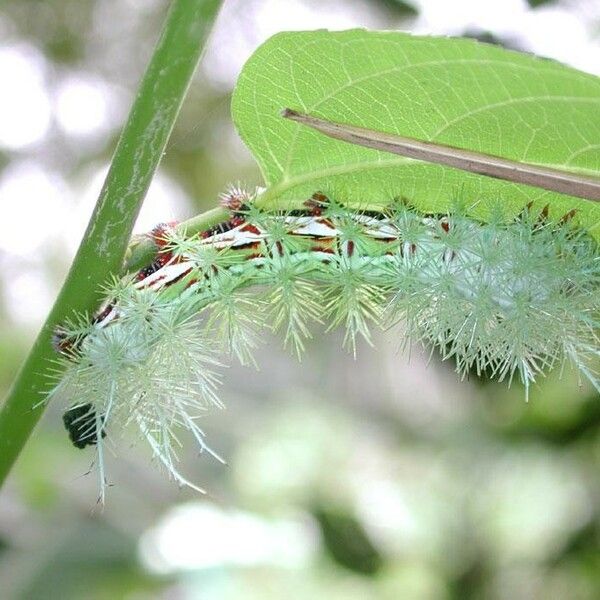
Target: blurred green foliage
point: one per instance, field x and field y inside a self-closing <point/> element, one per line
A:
<point x="347" y="542"/>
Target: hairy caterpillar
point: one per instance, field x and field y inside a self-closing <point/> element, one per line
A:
<point x="504" y="298"/>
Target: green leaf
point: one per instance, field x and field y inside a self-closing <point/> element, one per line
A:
<point x="454" y="91"/>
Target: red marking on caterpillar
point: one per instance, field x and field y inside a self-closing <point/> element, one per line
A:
<point x="317" y="203"/>
<point x="223" y="227"/>
<point x="165" y="276"/>
<point x="327" y="223"/>
<point x="158" y="263"/>
<point x="235" y="199"/>
<point x="322" y="248"/>
<point x="160" y="233"/>
<point x="62" y="342"/>
<point x="250" y="245"/>
<point x="104" y="312"/>
<point x="249" y="228"/>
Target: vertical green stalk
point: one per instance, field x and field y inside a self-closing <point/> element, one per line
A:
<point x="102" y="249"/>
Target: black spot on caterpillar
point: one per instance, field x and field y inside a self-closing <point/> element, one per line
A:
<point x="80" y="423"/>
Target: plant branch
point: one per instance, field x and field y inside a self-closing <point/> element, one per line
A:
<point x="556" y="180"/>
<point x="103" y="247"/>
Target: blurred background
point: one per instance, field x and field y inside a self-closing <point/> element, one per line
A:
<point x="383" y="477"/>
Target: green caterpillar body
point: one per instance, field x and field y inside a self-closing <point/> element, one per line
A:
<point x="501" y="298"/>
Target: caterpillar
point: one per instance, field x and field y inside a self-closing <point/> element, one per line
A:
<point x="503" y="298"/>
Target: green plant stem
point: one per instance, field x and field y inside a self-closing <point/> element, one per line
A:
<point x="103" y="247"/>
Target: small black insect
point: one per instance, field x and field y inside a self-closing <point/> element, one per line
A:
<point x="80" y="422"/>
